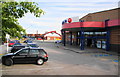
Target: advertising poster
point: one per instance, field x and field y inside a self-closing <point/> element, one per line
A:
<point x="98" y="44"/>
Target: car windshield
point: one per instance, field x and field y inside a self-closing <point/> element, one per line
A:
<point x="32" y="45"/>
<point x="17" y="44"/>
<point x="17" y="51"/>
<point x="11" y="41"/>
<point x="29" y="41"/>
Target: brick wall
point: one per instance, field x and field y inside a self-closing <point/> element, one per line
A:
<point x="115" y="36"/>
<point x="101" y="16"/>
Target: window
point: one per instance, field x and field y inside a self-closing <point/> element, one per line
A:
<point x="23" y="52"/>
<point x="34" y="52"/>
<point x="33" y="45"/>
<point x="42" y="52"/>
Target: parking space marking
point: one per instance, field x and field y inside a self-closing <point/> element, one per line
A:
<point x="114" y="62"/>
<point x="104" y="59"/>
<point x="34" y="69"/>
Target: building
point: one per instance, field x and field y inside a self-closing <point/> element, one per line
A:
<point x="95" y="30"/>
<point x="43" y="36"/>
<point x="53" y="38"/>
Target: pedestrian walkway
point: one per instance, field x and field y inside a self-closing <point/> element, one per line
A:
<point x="94" y="52"/>
<point x="3" y="49"/>
<point x="87" y="49"/>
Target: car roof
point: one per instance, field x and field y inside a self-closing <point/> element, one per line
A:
<point x="18" y="45"/>
<point x="31" y="48"/>
<point x="30" y="43"/>
<point x="12" y="41"/>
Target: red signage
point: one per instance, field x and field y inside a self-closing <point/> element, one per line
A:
<point x="90" y="24"/>
<point x="69" y="20"/>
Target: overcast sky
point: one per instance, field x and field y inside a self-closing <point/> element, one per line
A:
<point x="57" y="11"/>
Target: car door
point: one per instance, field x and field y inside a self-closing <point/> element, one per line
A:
<point x="21" y="56"/>
<point x="33" y="55"/>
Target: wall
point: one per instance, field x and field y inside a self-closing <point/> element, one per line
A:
<point x="53" y="38"/>
<point x="115" y="36"/>
<point x="101" y="16"/>
<point x="115" y="39"/>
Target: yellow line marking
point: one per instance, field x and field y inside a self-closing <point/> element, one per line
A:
<point x="115" y="62"/>
<point x="103" y="59"/>
<point x="1" y="54"/>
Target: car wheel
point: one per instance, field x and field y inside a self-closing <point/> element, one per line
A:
<point x="40" y="62"/>
<point x="8" y="62"/>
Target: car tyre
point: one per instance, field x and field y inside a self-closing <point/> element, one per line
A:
<point x="40" y="61"/>
<point x="8" y="62"/>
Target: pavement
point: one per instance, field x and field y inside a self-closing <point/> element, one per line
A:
<point x="3" y="48"/>
<point x="64" y="59"/>
<point x="86" y="50"/>
<point x="94" y="52"/>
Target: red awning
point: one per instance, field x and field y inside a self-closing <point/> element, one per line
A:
<point x="91" y="24"/>
<point x="114" y="23"/>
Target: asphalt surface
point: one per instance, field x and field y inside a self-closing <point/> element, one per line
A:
<point x="63" y="62"/>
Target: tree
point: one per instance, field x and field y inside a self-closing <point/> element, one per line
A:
<point x="12" y="11"/>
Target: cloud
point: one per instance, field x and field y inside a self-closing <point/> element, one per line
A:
<point x="70" y="0"/>
<point x="57" y="11"/>
<point x="77" y="4"/>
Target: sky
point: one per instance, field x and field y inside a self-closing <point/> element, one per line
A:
<point x="57" y="11"/>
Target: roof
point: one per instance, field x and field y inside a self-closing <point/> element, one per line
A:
<point x="99" y="12"/>
<point x="32" y="48"/>
<point x="30" y="43"/>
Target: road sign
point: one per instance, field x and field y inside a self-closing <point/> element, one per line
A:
<point x="7" y="36"/>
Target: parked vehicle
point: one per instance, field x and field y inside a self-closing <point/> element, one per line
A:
<point x="27" y="41"/>
<point x="11" y="43"/>
<point x="26" y="55"/>
<point x="17" y="44"/>
<point x="16" y="41"/>
<point x="16" y="48"/>
<point x="58" y="41"/>
<point x="32" y="45"/>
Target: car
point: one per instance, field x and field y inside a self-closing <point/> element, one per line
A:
<point x="11" y="43"/>
<point x="58" y="41"/>
<point x="16" y="44"/>
<point x="16" y="48"/>
<point x="16" y="41"/>
<point x="39" y="38"/>
<point x="26" y="55"/>
<point x="27" y="41"/>
<point x="32" y="45"/>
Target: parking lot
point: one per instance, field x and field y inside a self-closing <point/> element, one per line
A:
<point x="64" y="62"/>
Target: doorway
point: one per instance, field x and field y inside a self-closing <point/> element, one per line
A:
<point x="89" y="42"/>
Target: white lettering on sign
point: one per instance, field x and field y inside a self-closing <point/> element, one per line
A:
<point x="7" y="36"/>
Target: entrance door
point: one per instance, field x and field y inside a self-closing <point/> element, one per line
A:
<point x="89" y="42"/>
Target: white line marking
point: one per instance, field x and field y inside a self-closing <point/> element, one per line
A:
<point x="33" y="69"/>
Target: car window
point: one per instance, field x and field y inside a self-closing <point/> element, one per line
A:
<point x="11" y="41"/>
<point x="23" y="52"/>
<point x="42" y="52"/>
<point x="32" y="45"/>
<point x="34" y="52"/>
